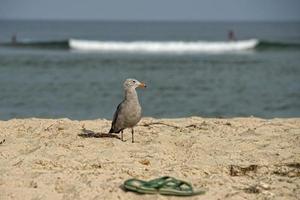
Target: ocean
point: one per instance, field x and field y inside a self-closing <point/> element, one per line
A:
<point x="75" y="69"/>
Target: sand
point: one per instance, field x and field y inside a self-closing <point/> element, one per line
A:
<point x="238" y="158"/>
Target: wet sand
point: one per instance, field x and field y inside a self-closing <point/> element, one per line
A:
<point x="238" y="158"/>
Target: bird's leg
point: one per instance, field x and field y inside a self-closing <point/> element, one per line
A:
<point x="122" y="136"/>
<point x="132" y="138"/>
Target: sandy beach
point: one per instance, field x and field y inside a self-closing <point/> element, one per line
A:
<point x="238" y="158"/>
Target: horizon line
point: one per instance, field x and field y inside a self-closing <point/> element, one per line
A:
<point x="147" y="20"/>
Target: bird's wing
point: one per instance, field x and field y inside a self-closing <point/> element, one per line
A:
<point x="115" y="119"/>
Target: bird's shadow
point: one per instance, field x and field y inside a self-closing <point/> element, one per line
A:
<point x="91" y="134"/>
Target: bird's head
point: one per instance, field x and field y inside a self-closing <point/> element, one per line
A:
<point x="133" y="83"/>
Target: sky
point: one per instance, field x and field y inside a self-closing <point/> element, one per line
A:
<point x="199" y="10"/>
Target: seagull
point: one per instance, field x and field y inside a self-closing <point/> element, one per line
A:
<point x="129" y="111"/>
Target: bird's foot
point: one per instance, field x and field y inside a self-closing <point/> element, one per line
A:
<point x="122" y="139"/>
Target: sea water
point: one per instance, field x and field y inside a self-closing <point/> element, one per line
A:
<point x="76" y="69"/>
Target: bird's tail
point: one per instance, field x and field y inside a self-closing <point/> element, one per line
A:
<point x="112" y="130"/>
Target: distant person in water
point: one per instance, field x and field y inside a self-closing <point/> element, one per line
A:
<point x="231" y="35"/>
<point x="14" y="39"/>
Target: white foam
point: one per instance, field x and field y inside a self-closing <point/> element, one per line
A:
<point x="163" y="46"/>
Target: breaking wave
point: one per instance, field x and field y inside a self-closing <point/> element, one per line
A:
<point x="162" y="47"/>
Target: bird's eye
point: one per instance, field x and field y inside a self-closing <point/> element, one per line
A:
<point x="133" y="81"/>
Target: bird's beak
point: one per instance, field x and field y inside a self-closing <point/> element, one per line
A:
<point x="142" y="85"/>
